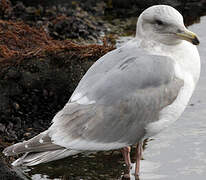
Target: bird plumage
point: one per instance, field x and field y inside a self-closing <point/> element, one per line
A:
<point x="130" y="93"/>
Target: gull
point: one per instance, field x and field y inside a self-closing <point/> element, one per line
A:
<point x="129" y="94"/>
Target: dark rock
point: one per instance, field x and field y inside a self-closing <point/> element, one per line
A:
<point x="17" y="122"/>
<point x="5" y="9"/>
<point x="191" y="9"/>
<point x="12" y="74"/>
<point x="73" y="28"/>
<point x="2" y="127"/>
<point x="12" y="88"/>
<point x="6" y="173"/>
<point x="4" y="100"/>
<point x="19" y="9"/>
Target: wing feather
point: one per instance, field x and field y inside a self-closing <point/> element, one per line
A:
<point x="126" y="95"/>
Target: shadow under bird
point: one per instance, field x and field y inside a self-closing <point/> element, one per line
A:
<point x="129" y="94"/>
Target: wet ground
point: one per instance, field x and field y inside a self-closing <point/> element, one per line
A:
<point x="176" y="153"/>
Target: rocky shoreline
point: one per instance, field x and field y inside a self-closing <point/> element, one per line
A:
<point x="44" y="52"/>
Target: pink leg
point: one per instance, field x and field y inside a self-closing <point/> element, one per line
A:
<point x="138" y="158"/>
<point x="126" y="154"/>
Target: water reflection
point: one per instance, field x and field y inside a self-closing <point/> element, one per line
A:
<point x="177" y="153"/>
<point x="94" y="166"/>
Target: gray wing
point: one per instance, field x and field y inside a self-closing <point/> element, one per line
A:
<point x="113" y="110"/>
<point x="104" y="65"/>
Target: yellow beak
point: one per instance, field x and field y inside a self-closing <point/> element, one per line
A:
<point x="188" y="36"/>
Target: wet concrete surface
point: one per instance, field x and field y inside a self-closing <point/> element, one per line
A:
<point x="176" y="153"/>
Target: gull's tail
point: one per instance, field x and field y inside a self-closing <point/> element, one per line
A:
<point x="39" y="149"/>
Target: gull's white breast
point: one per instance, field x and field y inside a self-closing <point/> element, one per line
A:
<point x="187" y="68"/>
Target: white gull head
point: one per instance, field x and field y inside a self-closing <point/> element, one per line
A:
<point x="163" y="24"/>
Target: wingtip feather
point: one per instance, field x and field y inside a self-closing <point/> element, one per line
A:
<point x="11" y="150"/>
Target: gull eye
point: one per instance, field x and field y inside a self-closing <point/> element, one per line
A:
<point x="159" y="22"/>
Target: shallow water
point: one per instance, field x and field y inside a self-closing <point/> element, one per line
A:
<point x="178" y="153"/>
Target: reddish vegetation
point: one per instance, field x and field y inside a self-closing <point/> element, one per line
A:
<point x="19" y="41"/>
<point x="31" y="65"/>
<point x="5" y="6"/>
